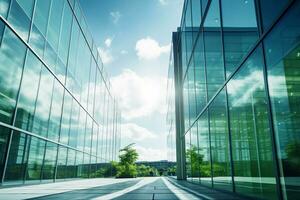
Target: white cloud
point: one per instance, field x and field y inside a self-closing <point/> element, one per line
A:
<point x="105" y="55"/>
<point x="139" y="96"/>
<point x="135" y="132"/>
<point x="123" y="52"/>
<point x="108" y="42"/>
<point x="163" y="2"/>
<point x="116" y="15"/>
<point x="148" y="48"/>
<point x="151" y="154"/>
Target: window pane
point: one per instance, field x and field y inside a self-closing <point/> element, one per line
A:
<point x="49" y="161"/>
<point x="239" y="31"/>
<point x="4" y="134"/>
<point x="191" y="93"/>
<point x="56" y="110"/>
<point x="19" y="19"/>
<point x="17" y="159"/>
<point x="270" y="10"/>
<point x="204" y="150"/>
<point x="200" y="81"/>
<point x="188" y="154"/>
<point x="41" y="14"/>
<point x="61" y="163"/>
<point x="28" y="92"/>
<point x="194" y="155"/>
<point x="65" y="33"/>
<point x="282" y="52"/>
<point x="55" y="17"/>
<point x="71" y="167"/>
<point x="213" y="49"/>
<point x="65" y="122"/>
<point x="10" y="73"/>
<point x="250" y="131"/>
<point x="37" y="41"/>
<point x="74" y="125"/>
<point x="43" y="103"/>
<point x="4" y="7"/>
<point x="35" y="159"/>
<point x="220" y="143"/>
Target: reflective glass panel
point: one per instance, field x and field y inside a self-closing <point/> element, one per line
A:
<point x="239" y="31"/>
<point x="17" y="159"/>
<point x="49" y="161"/>
<point x="10" y="72"/>
<point x="213" y="49"/>
<point x="270" y="10"/>
<point x="19" y="20"/>
<point x="282" y="50"/>
<point x="219" y="136"/>
<point x="200" y="77"/>
<point x="62" y="163"/>
<point x="4" y="133"/>
<point x="188" y="154"/>
<point x="28" y="92"/>
<point x="204" y="150"/>
<point x="250" y="131"/>
<point x="35" y="159"/>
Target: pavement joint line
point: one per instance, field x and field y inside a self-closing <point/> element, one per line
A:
<point x="189" y="190"/>
<point x="140" y="184"/>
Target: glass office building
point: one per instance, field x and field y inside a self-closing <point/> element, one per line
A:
<point x="237" y="86"/>
<point x="58" y="118"/>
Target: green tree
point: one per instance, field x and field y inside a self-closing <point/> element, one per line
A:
<point x="127" y="167"/>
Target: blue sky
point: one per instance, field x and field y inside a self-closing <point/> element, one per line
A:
<point x="133" y="38"/>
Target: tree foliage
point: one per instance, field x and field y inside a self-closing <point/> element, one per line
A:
<point x="127" y="167"/>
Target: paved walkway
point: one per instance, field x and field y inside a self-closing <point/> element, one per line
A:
<point x="104" y="189"/>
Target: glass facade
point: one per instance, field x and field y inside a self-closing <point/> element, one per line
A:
<point x="240" y="66"/>
<point x="58" y="118"/>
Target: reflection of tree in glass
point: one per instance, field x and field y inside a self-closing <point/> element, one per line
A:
<point x="199" y="167"/>
<point x="292" y="151"/>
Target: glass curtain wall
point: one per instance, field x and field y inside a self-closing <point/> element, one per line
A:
<point x="240" y="68"/>
<point x="56" y="110"/>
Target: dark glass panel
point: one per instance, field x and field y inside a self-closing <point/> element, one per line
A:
<point x="35" y="159"/>
<point x="79" y="164"/>
<point x="86" y="165"/>
<point x="4" y="134"/>
<point x="250" y="131"/>
<point x="17" y="159"/>
<point x="270" y="10"/>
<point x="62" y="163"/>
<point x="49" y="161"/>
<point x="71" y="165"/>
